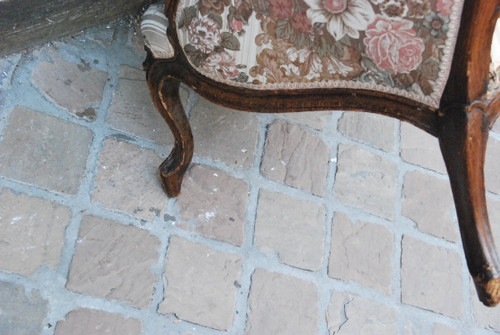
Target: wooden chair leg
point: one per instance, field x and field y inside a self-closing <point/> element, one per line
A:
<point x="463" y="135"/>
<point x="165" y="94"/>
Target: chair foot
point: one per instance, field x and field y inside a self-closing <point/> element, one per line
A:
<point x="165" y="94"/>
<point x="463" y="135"/>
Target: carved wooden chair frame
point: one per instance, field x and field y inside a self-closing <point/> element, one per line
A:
<point x="462" y="122"/>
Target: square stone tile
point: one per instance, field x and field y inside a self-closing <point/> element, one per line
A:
<point x="32" y="232"/>
<point x="43" y="150"/>
<point x="486" y="317"/>
<point x="431" y="278"/>
<point x="492" y="162"/>
<point x="200" y="284"/>
<point x="281" y="304"/>
<point x="132" y="109"/>
<point x="72" y="86"/>
<point x="21" y="313"/>
<point x="420" y="148"/>
<point x="375" y="130"/>
<point x="127" y="181"/>
<point x="213" y="204"/>
<point x="292" y="228"/>
<point x="428" y="201"/>
<point x="84" y="321"/>
<point x="224" y="135"/>
<point x="362" y="252"/>
<point x="114" y="261"/>
<point x="366" y="180"/>
<point x="295" y="157"/>
<point x="348" y="314"/>
<point x="315" y="120"/>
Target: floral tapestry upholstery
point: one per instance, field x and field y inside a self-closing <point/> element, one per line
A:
<point x="403" y="47"/>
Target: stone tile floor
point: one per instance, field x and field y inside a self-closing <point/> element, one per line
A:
<point x="312" y="223"/>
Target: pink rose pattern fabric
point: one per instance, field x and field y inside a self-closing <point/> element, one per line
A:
<point x="402" y="47"/>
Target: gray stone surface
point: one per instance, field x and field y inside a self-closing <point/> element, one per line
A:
<point x="486" y="317"/>
<point x="366" y="180"/>
<point x="21" y="312"/>
<point x="428" y="201"/>
<point x="213" y="204"/>
<point x="31" y="232"/>
<point x="292" y="228"/>
<point x="492" y="162"/>
<point x="494" y="217"/>
<point x="372" y="129"/>
<point x="362" y="252"/>
<point x="7" y="67"/>
<point x="440" y="329"/>
<point x="114" y="261"/>
<point x="126" y="180"/>
<point x="295" y="157"/>
<point x="200" y="284"/>
<point x="84" y="321"/>
<point x="132" y="108"/>
<point x="420" y="148"/>
<point x="281" y="304"/>
<point x="348" y="314"/>
<point x="315" y="120"/>
<point x="77" y="87"/>
<point x="44" y="150"/>
<point x="431" y="278"/>
<point x="224" y="135"/>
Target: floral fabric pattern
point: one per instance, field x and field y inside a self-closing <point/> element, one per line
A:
<point x="402" y="47"/>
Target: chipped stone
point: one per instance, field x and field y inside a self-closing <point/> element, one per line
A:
<point x="361" y="252"/>
<point x="428" y="201"/>
<point x="44" y="150"/>
<point x="114" y="261"/>
<point x="431" y="278"/>
<point x="281" y="304"/>
<point x="199" y="284"/>
<point x="292" y="228"/>
<point x="315" y="120"/>
<point x="126" y="180"/>
<point x="348" y="314"/>
<point x="366" y="180"/>
<point x="295" y="157"/>
<point x="32" y="232"/>
<point x="213" y="204"/>
<point x="372" y="129"/>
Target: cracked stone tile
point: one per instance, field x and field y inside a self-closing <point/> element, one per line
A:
<point x="441" y="329"/>
<point x="126" y="180"/>
<point x="361" y="252"/>
<point x="372" y="129"/>
<point x="21" y="312"/>
<point x="113" y="261"/>
<point x="348" y="314"/>
<point x="428" y="201"/>
<point x="72" y="86"/>
<point x="295" y="157"/>
<point x="366" y="180"/>
<point x="84" y="321"/>
<point x="44" y="150"/>
<point x="431" y="278"/>
<point x="223" y="134"/>
<point x="200" y="284"/>
<point x="293" y="228"/>
<point x="32" y="232"/>
<point x="315" y="120"/>
<point x="132" y="109"/>
<point x="420" y="148"/>
<point x="281" y="304"/>
<point x="213" y="204"/>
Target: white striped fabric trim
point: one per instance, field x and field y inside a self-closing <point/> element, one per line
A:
<point x="154" y="30"/>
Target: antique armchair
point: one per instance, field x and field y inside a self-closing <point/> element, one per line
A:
<point x="425" y="62"/>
